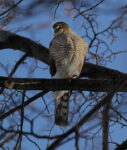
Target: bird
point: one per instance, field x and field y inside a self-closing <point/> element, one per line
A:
<point x="67" y="55"/>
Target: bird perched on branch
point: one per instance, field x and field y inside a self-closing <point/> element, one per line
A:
<point x="67" y="54"/>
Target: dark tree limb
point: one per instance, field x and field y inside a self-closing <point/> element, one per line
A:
<point x="99" y="72"/>
<point x="122" y="146"/>
<point x="61" y="84"/>
<point x="16" y="42"/>
<point x="105" y="124"/>
<point x="38" y="51"/>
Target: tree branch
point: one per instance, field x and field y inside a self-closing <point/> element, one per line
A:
<point x="81" y="122"/>
<point x="16" y="42"/>
<point x="122" y="146"/>
<point x="103" y="102"/>
<point x="38" y="51"/>
<point x="5" y="115"/>
<point x="15" y="5"/>
<point x="105" y="123"/>
<point x="61" y="84"/>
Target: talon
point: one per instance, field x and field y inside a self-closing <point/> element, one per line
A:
<point x="74" y="76"/>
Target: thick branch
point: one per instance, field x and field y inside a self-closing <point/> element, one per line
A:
<point x="99" y="72"/>
<point x="122" y="146"/>
<point x="11" y="40"/>
<point x="105" y="123"/>
<point x="38" y="51"/>
<point x="61" y="84"/>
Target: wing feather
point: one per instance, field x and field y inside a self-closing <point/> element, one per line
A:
<point x="52" y="63"/>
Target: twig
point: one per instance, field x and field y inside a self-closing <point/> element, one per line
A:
<point x="81" y="122"/>
<point x="33" y="142"/>
<point x="5" y="115"/>
<point x="15" y="5"/>
<point x="81" y="13"/>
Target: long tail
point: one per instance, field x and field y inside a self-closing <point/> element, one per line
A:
<point x="61" y="110"/>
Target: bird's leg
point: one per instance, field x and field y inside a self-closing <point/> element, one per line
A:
<point x="73" y="77"/>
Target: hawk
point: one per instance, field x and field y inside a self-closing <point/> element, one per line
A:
<point x="67" y="54"/>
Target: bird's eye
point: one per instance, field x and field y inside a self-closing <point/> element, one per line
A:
<point x="57" y="28"/>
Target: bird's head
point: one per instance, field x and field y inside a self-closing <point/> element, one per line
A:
<point x="60" y="27"/>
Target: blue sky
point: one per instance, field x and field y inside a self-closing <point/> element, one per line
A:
<point x="44" y="35"/>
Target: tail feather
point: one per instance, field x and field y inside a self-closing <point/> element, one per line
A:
<point x="62" y="108"/>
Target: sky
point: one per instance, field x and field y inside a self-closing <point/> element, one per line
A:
<point x="43" y="34"/>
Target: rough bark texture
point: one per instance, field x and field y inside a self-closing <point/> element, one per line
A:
<point x="61" y="84"/>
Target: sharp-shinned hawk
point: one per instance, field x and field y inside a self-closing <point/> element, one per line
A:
<point x="67" y="54"/>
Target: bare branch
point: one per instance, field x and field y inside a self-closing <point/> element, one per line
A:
<point x="15" y="5"/>
<point x="105" y="123"/>
<point x="62" y="84"/>
<point x="17" y="64"/>
<point x="5" y="115"/>
<point x="11" y="40"/>
<point x="122" y="146"/>
<point x="104" y="101"/>
<point x="85" y="107"/>
<point x="83" y="12"/>
<point x="81" y="122"/>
